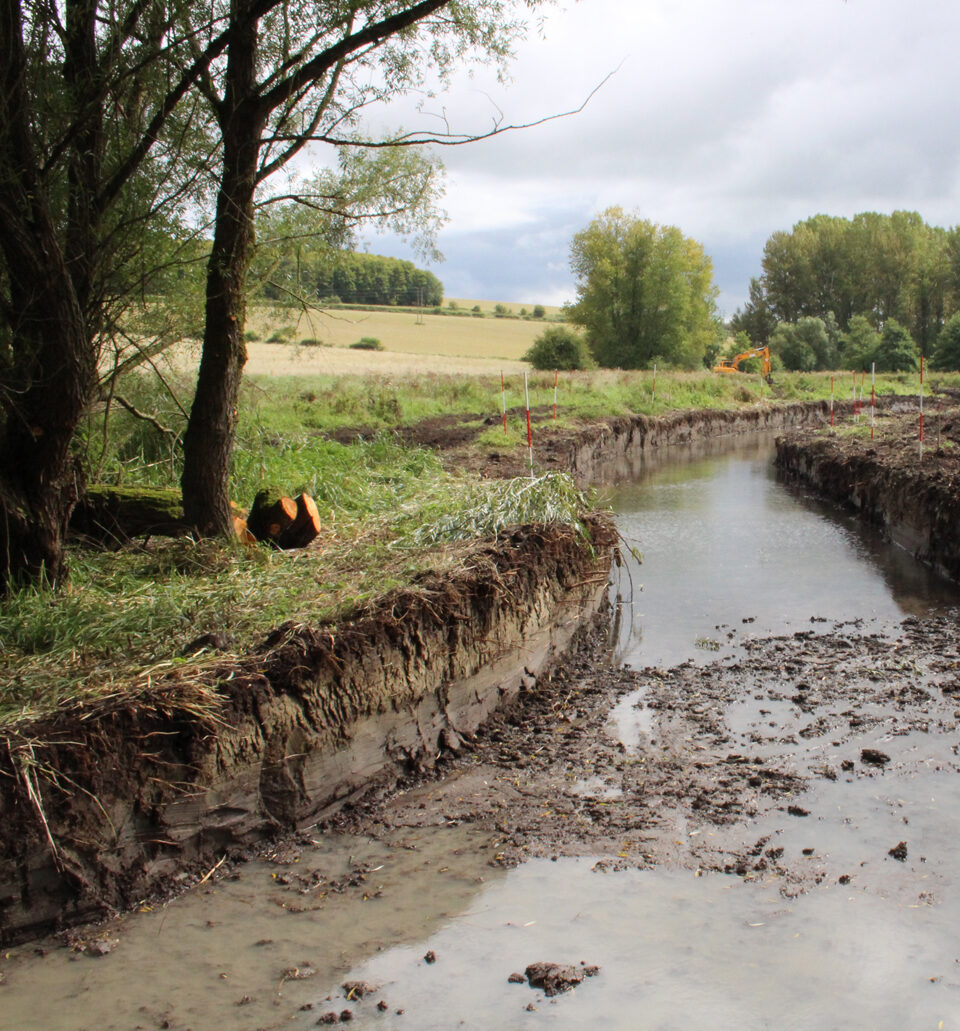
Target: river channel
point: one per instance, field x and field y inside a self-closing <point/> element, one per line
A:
<point x="730" y="557"/>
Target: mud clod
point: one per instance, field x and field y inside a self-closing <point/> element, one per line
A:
<point x="355" y="990"/>
<point x="874" y="757"/>
<point x="555" y="978"/>
<point x="899" y="852"/>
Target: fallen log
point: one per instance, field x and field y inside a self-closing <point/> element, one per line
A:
<point x="119" y="514"/>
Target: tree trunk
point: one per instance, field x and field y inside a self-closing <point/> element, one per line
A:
<point x="48" y="363"/>
<point x="208" y="441"/>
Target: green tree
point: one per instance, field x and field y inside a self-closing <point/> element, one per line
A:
<point x="877" y="265"/>
<point x="804" y="345"/>
<point x="559" y="347"/>
<point x="859" y="345"/>
<point x="896" y="351"/>
<point x="99" y="166"/>
<point x="645" y="293"/>
<point x="293" y="76"/>
<point x="946" y="355"/>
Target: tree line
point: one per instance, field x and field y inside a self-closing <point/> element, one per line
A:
<point x="878" y="287"/>
<point x="133" y="129"/>
<point x="350" y="277"/>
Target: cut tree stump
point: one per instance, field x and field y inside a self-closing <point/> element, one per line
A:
<point x="271" y="515"/>
<point x="306" y="525"/>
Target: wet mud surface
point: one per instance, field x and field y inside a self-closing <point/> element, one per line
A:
<point x="727" y="767"/>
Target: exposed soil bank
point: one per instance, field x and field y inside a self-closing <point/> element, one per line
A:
<point x="607" y="450"/>
<point x="99" y="807"/>
<point x="916" y="500"/>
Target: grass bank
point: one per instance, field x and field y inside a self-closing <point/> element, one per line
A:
<point x="391" y="511"/>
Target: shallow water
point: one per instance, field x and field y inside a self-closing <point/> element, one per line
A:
<point x="722" y="543"/>
<point x="730" y="551"/>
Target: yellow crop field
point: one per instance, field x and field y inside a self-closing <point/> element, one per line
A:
<point x="404" y="332"/>
<point x="291" y="360"/>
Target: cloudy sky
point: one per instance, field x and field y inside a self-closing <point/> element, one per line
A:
<point x="727" y="120"/>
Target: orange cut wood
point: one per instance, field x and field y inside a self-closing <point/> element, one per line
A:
<point x="241" y="531"/>
<point x="306" y="527"/>
<point x="271" y="515"/>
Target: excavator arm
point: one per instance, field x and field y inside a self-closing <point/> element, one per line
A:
<point x="733" y="364"/>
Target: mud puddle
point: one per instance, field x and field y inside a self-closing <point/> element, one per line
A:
<point x="249" y="950"/>
<point x="674" y="951"/>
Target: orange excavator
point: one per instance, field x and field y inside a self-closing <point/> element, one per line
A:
<point x="733" y="364"/>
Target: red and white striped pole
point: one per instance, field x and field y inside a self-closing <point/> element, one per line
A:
<point x="503" y="398"/>
<point x="873" y="395"/>
<point x="921" y="407"/>
<point x="526" y="391"/>
<point x="556" y="377"/>
<point x="831" y="404"/>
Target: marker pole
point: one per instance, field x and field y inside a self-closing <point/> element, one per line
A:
<point x="921" y="408"/>
<point x="503" y="398"/>
<point x="556" y="376"/>
<point x="653" y="395"/>
<point x="831" y="404"/>
<point x="856" y="414"/>
<point x="873" y="395"/>
<point x="526" y="391"/>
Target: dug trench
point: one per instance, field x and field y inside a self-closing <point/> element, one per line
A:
<point x="101" y="807"/>
<point x="740" y="753"/>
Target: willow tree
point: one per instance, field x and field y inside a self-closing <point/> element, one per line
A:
<point x="291" y="77"/>
<point x="96" y="144"/>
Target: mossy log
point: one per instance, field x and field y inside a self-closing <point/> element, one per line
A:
<point x="122" y="513"/>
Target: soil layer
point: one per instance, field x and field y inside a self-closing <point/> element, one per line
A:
<point x="102" y="805"/>
<point x="910" y="490"/>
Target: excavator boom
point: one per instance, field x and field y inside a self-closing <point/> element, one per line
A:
<point x="733" y="364"/>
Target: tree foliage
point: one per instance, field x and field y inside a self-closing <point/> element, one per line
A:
<point x="859" y="344"/>
<point x="896" y="351"/>
<point x="559" y="347"/>
<point x="645" y="293"/>
<point x="878" y="266"/>
<point x="805" y="345"/>
<point x="946" y="356"/>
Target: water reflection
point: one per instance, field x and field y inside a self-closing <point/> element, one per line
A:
<point x="728" y="549"/>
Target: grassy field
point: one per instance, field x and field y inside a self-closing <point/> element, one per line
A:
<point x="404" y="332"/>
